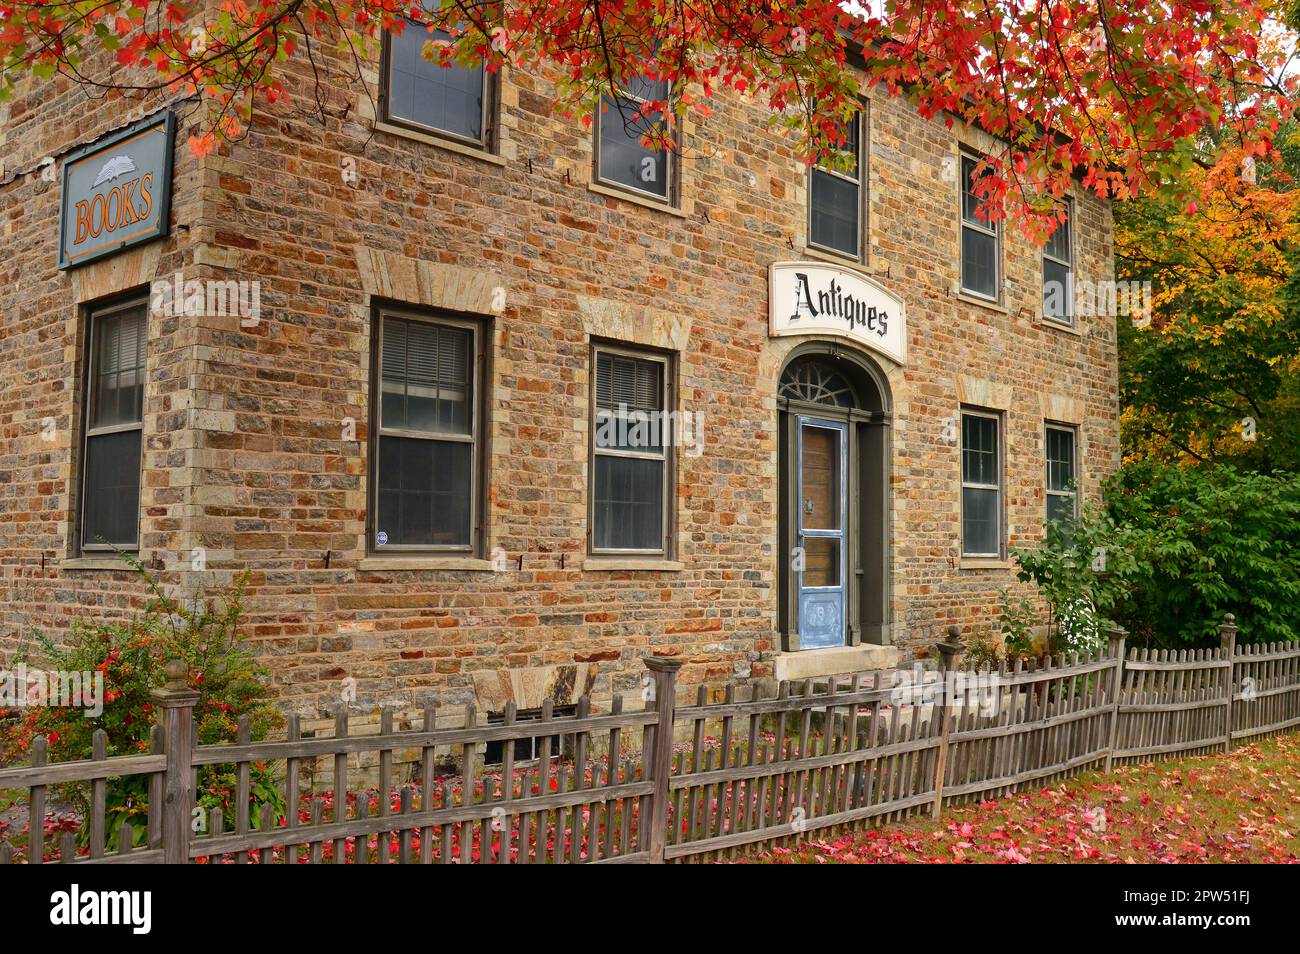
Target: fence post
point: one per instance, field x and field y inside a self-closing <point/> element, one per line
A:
<point x="176" y="700"/>
<point x="1228" y="645"/>
<point x="1116" y="647"/>
<point x="949" y="653"/>
<point x="661" y="756"/>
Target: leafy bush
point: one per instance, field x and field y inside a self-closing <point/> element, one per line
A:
<point x="1017" y="624"/>
<point x="1174" y="549"/>
<point x="982" y="649"/>
<point x="131" y="655"/>
<point x="1083" y="570"/>
<point x="1206" y="541"/>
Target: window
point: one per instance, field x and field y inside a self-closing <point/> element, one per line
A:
<point x="449" y="100"/>
<point x="426" y="478"/>
<point x="115" y="371"/>
<point x="630" y="461"/>
<point x="621" y="158"/>
<point x="981" y="484"/>
<point x="1058" y="272"/>
<point x="979" y="240"/>
<point x="1062" y="492"/>
<point x="531" y="749"/>
<point x="835" y="200"/>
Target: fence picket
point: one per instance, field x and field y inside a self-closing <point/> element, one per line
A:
<point x="846" y="751"/>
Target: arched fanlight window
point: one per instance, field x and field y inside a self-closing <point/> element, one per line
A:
<point x="817" y="383"/>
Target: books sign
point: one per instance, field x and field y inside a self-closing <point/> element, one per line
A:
<point x="117" y="192"/>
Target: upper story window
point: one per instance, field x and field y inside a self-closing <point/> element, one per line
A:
<point x="110" y="484"/>
<point x="1058" y="271"/>
<point x="428" y="443"/>
<point x="980" y="251"/>
<point x="835" y="200"/>
<point x="630" y="464"/>
<point x="1062" y="471"/>
<point x="981" y="484"/>
<point x="622" y="159"/>
<point x="450" y="101"/>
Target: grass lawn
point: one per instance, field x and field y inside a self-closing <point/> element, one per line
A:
<point x="1239" y="807"/>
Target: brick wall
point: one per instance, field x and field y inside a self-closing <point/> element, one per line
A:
<point x="247" y="456"/>
<point x="41" y="332"/>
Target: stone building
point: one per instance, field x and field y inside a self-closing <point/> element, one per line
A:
<point x="403" y="362"/>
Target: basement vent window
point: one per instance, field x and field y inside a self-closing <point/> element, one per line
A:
<point x="529" y="749"/>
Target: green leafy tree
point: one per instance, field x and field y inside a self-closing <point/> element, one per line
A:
<point x="1206" y="541"/>
<point x="1215" y="374"/>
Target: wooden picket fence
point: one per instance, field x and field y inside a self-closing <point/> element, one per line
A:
<point x="667" y="782"/>
<point x="1265" y="682"/>
<point x="807" y="758"/>
<point x="1174" y="703"/>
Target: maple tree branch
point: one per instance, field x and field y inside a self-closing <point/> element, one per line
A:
<point x="1152" y="428"/>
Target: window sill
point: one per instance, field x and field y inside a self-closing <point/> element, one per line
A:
<point x="1073" y="329"/>
<point x="96" y="563"/>
<point x="832" y="661"/>
<point x="848" y="261"/>
<point x="449" y="144"/>
<point x="644" y="201"/>
<point x="596" y="564"/>
<point x="425" y="563"/>
<point x="988" y="303"/>
<point x="984" y="563"/>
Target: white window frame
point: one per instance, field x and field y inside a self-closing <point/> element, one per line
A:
<point x="989" y="228"/>
<point x="95" y="319"/>
<point x="1073" y="431"/>
<point x="999" y="419"/>
<point x="485" y="142"/>
<point x="670" y="157"/>
<point x="859" y="118"/>
<point x="474" y="438"/>
<point x="664" y="454"/>
<point x="1068" y="264"/>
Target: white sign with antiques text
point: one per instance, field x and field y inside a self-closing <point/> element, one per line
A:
<point x="806" y="298"/>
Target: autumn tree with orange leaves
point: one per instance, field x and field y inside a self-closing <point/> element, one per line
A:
<point x="1215" y="375"/>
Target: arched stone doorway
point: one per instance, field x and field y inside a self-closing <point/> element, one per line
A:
<point x="834" y="412"/>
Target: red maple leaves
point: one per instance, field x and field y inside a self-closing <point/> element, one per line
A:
<point x="1122" y="94"/>
<point x="1242" y="807"/>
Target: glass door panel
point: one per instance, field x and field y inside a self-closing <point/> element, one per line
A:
<point x="822" y="518"/>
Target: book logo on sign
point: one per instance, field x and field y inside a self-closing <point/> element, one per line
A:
<point x="117" y="166"/>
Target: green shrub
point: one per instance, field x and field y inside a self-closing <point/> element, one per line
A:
<point x="1083" y="570"/>
<point x="131" y="655"/>
<point x="1174" y="549"/>
<point x="1207" y="541"/>
<point x="1016" y="624"/>
<point x="982" y="649"/>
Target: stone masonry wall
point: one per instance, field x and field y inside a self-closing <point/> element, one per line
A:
<point x="41" y="347"/>
<point x="247" y="455"/>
